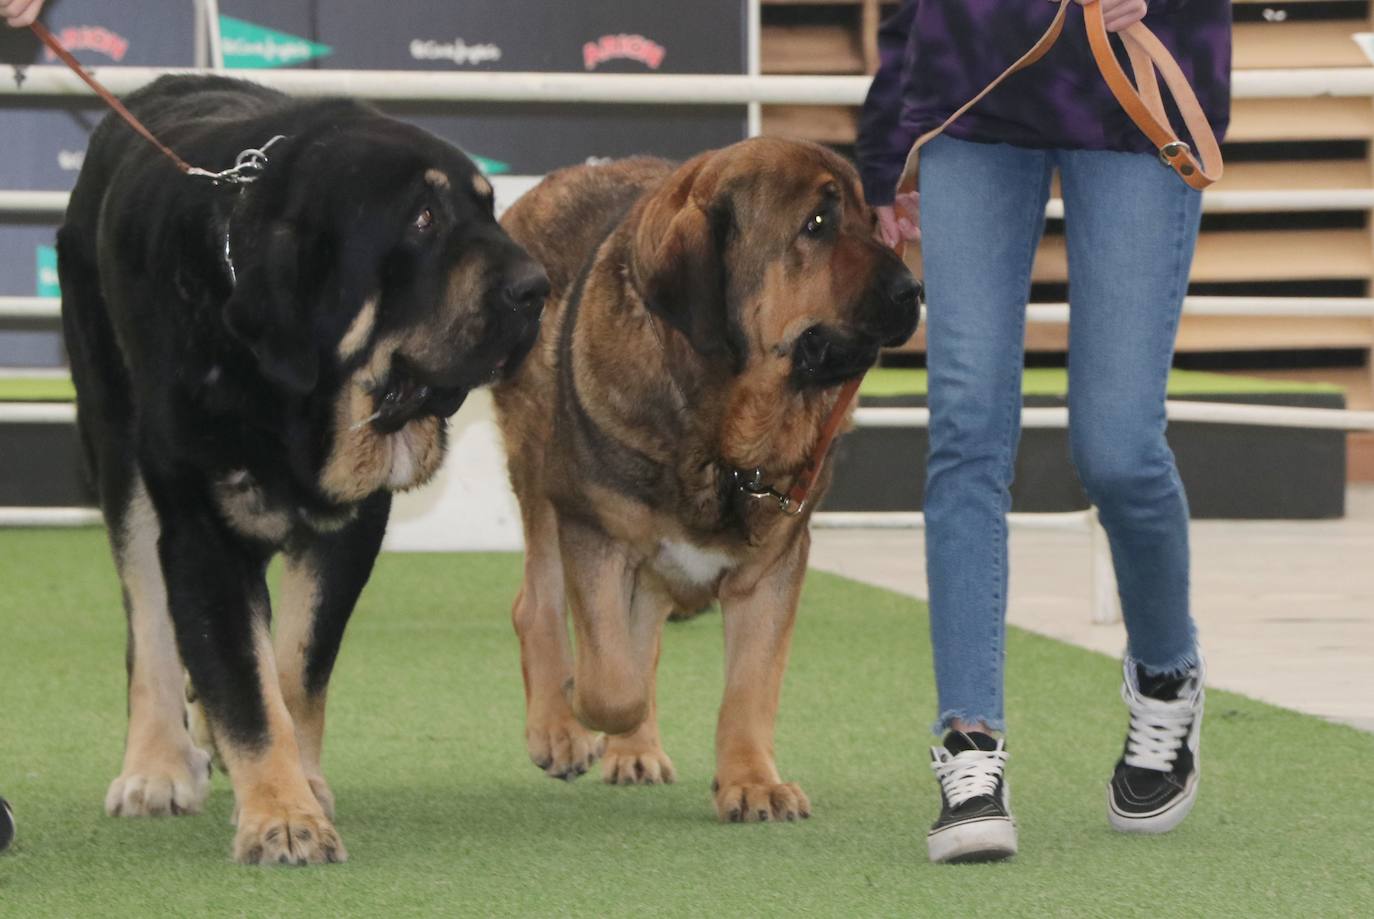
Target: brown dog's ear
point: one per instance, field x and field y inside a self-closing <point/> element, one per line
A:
<point x="680" y="249"/>
<point x="267" y="313"/>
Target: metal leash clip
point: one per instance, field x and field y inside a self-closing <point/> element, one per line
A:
<point x="247" y="165"/>
<point x="752" y="484"/>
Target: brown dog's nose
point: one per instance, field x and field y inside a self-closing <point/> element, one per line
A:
<point x="526" y="288"/>
<point x="903" y="309"/>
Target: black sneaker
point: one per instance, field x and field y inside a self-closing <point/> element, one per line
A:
<point x="1155" y="782"/>
<point x="975" y="822"/>
<point x="6" y="825"/>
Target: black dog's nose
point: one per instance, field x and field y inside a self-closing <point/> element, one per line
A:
<point x="526" y="288"/>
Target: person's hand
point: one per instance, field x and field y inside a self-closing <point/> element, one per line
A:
<point x="19" y="13"/>
<point x="899" y="221"/>
<point x="1120" y="14"/>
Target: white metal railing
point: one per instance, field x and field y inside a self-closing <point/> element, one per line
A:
<point x="1213" y="201"/>
<point x="1273" y="307"/>
<point x="635" y="89"/>
<point x="1267" y="416"/>
<point x="48" y="516"/>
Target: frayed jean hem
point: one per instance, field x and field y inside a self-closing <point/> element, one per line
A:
<point x="947" y="718"/>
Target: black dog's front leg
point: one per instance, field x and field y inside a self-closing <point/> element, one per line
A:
<point x="324" y="576"/>
<point x="217" y="595"/>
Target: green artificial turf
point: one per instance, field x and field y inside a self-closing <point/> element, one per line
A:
<point x="1054" y="382"/>
<point x="883" y="381"/>
<point x="36" y="389"/>
<point x="444" y="815"/>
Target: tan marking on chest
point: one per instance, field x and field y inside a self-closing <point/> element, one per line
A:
<point x="246" y="510"/>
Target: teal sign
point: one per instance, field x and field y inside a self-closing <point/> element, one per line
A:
<point x="249" y="46"/>
<point x="47" y="272"/>
<point x="489" y="166"/>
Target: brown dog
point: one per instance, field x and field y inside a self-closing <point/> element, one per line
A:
<point x="701" y="322"/>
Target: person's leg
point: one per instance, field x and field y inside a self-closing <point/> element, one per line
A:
<point x="982" y="213"/>
<point x="1131" y="228"/>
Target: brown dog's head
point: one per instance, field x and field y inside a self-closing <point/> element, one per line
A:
<point x="763" y="255"/>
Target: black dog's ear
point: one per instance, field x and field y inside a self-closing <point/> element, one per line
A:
<point x="267" y="313"/>
<point x="680" y="264"/>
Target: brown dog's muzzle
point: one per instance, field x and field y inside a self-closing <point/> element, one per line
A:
<point x="886" y="316"/>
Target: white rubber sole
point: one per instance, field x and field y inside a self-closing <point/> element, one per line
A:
<point x="986" y="840"/>
<point x="1161" y="821"/>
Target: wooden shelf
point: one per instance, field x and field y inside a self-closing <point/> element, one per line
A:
<point x="1277" y="45"/>
<point x="1297" y="175"/>
<point x="812" y="49"/>
<point x="825" y="124"/>
<point x="1253" y="256"/>
<point x="1301" y="119"/>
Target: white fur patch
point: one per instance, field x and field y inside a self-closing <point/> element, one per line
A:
<point x="695" y="565"/>
<point x="405" y="459"/>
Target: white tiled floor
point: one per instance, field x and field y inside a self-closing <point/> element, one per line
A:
<point x="1285" y="610"/>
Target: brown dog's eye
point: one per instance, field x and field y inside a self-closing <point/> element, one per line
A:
<point x="425" y="220"/>
<point x="816" y="225"/>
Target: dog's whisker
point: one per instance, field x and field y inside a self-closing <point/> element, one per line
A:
<point x="366" y="421"/>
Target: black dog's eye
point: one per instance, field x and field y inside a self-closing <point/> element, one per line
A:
<point x="817" y="224"/>
<point x="424" y="220"/>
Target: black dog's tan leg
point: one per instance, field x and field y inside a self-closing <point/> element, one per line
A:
<point x="612" y="687"/>
<point x="758" y="620"/>
<point x="637" y="758"/>
<point x="280" y="820"/>
<point x="320" y="586"/>
<point x="558" y="743"/>
<point x="164" y="771"/>
<point x="217" y="593"/>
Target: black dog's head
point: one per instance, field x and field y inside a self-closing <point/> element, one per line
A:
<point x="371" y="275"/>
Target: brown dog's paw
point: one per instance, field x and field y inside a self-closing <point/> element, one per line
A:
<point x="161" y="785"/>
<point x="741" y="803"/>
<point x="633" y="764"/>
<point x="286" y="835"/>
<point x="563" y="748"/>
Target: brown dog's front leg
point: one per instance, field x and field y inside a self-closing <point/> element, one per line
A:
<point x="613" y="669"/>
<point x="557" y="742"/>
<point x="758" y="622"/>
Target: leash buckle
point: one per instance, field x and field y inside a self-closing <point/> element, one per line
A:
<point x="752" y="485"/>
<point x="1171" y="151"/>
<point x="247" y="166"/>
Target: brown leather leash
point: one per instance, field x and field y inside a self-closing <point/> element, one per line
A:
<point x="793" y="501"/>
<point x="246" y="166"/>
<point x="1142" y="102"/>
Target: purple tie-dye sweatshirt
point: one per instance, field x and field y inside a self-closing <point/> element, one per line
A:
<point x="938" y="54"/>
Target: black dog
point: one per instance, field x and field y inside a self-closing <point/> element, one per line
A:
<point x="257" y="368"/>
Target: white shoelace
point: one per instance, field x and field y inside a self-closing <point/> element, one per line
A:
<point x="1157" y="729"/>
<point x="968" y="774"/>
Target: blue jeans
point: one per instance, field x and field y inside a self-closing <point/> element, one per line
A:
<point x="1131" y="228"/>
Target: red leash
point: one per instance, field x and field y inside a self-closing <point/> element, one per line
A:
<point x="55" y="46"/>
<point x="246" y="165"/>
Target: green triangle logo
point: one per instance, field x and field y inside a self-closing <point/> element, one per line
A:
<point x="250" y="46"/>
<point x="489" y="166"/>
<point x="48" y="285"/>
